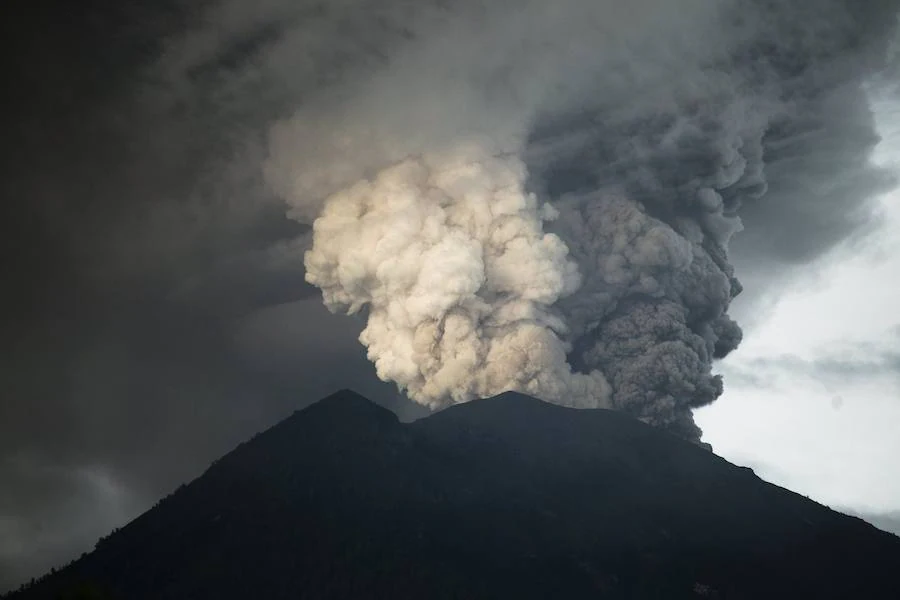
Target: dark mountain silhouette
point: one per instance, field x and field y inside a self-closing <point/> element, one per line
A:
<point x="506" y="497"/>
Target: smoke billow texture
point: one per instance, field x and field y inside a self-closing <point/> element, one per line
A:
<point x="541" y="196"/>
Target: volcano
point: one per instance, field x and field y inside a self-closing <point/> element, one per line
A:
<point x="502" y="497"/>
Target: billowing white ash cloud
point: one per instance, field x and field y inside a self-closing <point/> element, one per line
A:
<point x="449" y="257"/>
<point x="543" y="199"/>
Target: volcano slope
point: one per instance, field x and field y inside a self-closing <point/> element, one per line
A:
<point x="502" y="497"/>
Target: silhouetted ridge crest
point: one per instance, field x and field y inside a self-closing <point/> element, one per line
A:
<point x="346" y="405"/>
<point x="501" y="497"/>
<point x="336" y="414"/>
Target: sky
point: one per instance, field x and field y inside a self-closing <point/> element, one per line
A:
<point x="813" y="397"/>
<point x="155" y="177"/>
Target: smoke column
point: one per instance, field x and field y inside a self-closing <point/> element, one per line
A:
<point x="541" y="196"/>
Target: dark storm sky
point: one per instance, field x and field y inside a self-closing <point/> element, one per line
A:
<point x="149" y="320"/>
<point x="131" y="350"/>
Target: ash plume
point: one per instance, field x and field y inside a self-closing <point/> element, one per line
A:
<point x="542" y="197"/>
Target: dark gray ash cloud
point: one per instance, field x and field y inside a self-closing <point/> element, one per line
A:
<point x="158" y="312"/>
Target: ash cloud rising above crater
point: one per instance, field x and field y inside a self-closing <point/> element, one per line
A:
<point x="543" y="197"/>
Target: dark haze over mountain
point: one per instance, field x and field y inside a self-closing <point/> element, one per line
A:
<point x="157" y="312"/>
<point x="503" y="497"/>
